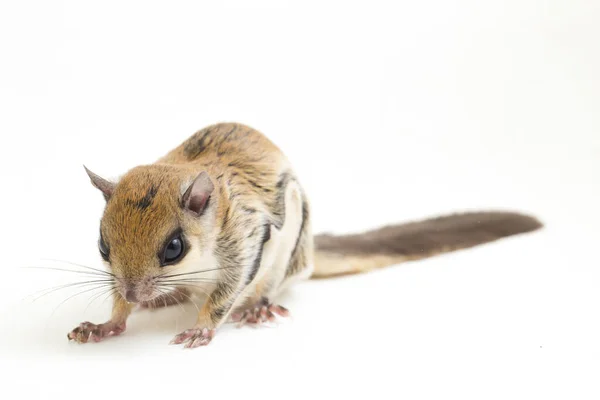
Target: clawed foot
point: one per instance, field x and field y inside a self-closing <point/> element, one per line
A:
<point x="260" y="314"/>
<point x="194" y="337"/>
<point x="87" y="331"/>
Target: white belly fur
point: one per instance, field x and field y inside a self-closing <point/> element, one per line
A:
<point x="277" y="251"/>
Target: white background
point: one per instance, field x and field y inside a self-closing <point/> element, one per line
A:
<point x="390" y="112"/>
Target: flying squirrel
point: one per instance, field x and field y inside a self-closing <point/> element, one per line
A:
<point x="224" y="214"/>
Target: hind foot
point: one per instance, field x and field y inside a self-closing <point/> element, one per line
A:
<point x="194" y="337"/>
<point x="262" y="313"/>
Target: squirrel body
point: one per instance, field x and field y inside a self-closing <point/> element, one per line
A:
<point x="224" y="215"/>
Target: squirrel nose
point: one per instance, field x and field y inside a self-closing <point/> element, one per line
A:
<point x="131" y="296"/>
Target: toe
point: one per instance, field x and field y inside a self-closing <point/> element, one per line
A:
<point x="178" y="339"/>
<point x="192" y="343"/>
<point x="199" y="338"/>
<point x="197" y="342"/>
<point x="263" y="314"/>
<point x="190" y="334"/>
<point x="279" y="310"/>
<point x="73" y="334"/>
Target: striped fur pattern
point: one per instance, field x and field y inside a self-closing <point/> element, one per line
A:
<point x="252" y="236"/>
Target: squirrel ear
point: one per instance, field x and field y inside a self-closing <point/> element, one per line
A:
<point x="106" y="187"/>
<point x="197" y="194"/>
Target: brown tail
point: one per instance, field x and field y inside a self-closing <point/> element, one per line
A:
<point x="349" y="254"/>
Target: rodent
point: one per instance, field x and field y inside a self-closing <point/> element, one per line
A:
<point x="224" y="214"/>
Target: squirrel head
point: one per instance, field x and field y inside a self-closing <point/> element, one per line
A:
<point x="156" y="220"/>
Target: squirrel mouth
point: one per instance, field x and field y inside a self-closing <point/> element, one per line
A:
<point x="131" y="296"/>
<point x="134" y="295"/>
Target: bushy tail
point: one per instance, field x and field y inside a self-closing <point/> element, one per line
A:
<point x="349" y="254"/>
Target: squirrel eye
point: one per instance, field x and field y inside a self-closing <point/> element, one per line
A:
<point x="173" y="250"/>
<point x="103" y="248"/>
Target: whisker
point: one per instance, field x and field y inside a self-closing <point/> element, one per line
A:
<point x="189" y="280"/>
<point x="112" y="292"/>
<point x="195" y="272"/>
<point x="165" y="279"/>
<point x="154" y="301"/>
<point x="185" y="294"/>
<point x="63" y="269"/>
<point x="178" y="301"/>
<point x="197" y="286"/>
<point x="70" y="297"/>
<point x="68" y="285"/>
<point x="171" y="296"/>
<point x="78" y="265"/>
<point x="174" y="284"/>
<point x="97" y="296"/>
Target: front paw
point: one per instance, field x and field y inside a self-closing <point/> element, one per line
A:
<point x="194" y="337"/>
<point x="87" y="331"/>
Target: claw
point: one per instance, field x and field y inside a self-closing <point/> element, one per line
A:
<point x="194" y="337"/>
<point x="87" y="331"/>
<point x="259" y="314"/>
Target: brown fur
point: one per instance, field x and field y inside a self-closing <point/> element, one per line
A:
<point x="135" y="225"/>
<point x="338" y="255"/>
<point x="144" y="207"/>
<point x="227" y="189"/>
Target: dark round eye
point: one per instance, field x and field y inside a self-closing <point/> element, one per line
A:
<point x="173" y="250"/>
<point x="104" y="252"/>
